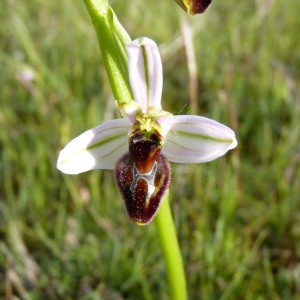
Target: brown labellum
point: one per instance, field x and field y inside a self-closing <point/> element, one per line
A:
<point x="143" y="176"/>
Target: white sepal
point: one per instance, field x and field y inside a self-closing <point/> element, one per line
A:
<point x="145" y="72"/>
<point x="195" y="139"/>
<point x="97" y="148"/>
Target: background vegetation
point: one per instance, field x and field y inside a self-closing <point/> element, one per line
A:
<point x="237" y="218"/>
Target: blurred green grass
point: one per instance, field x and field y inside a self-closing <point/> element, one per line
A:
<point x="238" y="218"/>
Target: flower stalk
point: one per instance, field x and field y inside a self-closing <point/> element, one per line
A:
<point x="171" y="251"/>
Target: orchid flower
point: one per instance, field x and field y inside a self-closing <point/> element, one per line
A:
<point x="140" y="145"/>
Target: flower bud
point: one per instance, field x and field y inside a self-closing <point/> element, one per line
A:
<point x="193" y="7"/>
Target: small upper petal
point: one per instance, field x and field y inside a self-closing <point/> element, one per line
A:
<point x="145" y="72"/>
<point x="128" y="109"/>
<point x="195" y="139"/>
<point x="97" y="148"/>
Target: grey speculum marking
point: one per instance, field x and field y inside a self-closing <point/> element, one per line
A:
<point x="148" y="177"/>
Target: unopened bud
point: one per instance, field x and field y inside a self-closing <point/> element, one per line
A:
<point x="193" y="7"/>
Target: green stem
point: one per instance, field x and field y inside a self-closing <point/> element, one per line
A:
<point x="171" y="252"/>
<point x="112" y="38"/>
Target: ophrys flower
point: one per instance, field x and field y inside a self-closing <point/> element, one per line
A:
<point x="139" y="146"/>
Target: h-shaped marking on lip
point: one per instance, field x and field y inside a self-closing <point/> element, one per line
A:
<point x="148" y="177"/>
